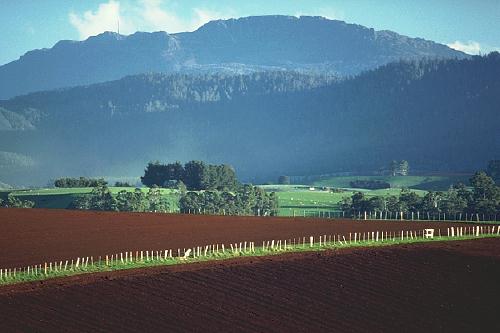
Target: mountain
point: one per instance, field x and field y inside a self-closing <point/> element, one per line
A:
<point x="245" y="45"/>
<point x="440" y="115"/>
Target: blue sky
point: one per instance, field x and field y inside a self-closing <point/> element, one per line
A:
<point x="470" y="25"/>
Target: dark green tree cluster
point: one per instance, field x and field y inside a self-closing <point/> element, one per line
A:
<point x="14" y="202"/>
<point x="123" y="184"/>
<point x="399" y="168"/>
<point x="79" y="182"/>
<point x="369" y="184"/>
<point x="101" y="198"/>
<point x="483" y="197"/>
<point x="247" y="200"/>
<point x="195" y="175"/>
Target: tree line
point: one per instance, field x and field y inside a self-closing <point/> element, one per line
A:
<point x="369" y="184"/>
<point x="482" y="198"/>
<point x="14" y="202"/>
<point x="101" y="198"/>
<point x="193" y="176"/>
<point x="247" y="200"/>
<point x="213" y="189"/>
<point x="68" y="182"/>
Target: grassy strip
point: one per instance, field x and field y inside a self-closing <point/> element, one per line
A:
<point x="100" y="266"/>
<point x="472" y="223"/>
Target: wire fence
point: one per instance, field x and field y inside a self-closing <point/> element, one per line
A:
<point x="146" y="258"/>
<point x="358" y="215"/>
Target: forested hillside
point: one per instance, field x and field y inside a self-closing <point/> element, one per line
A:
<point x="264" y="124"/>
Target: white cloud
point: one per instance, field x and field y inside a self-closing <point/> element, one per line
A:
<point x="202" y="16"/>
<point x="140" y="15"/>
<point x="154" y="17"/>
<point x="470" y="47"/>
<point x="105" y="18"/>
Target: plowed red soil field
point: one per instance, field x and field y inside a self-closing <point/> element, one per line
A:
<point x="33" y="236"/>
<point x="428" y="287"/>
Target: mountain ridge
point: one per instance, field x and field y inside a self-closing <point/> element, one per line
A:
<point x="244" y="45"/>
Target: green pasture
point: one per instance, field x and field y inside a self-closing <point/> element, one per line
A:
<point x="427" y="183"/>
<point x="311" y="203"/>
<point x="293" y="199"/>
<point x="296" y="202"/>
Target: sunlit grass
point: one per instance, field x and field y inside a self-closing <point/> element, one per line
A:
<point x="162" y="258"/>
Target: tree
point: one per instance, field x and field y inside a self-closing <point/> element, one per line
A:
<point x="99" y="199"/>
<point x="399" y="168"/>
<point x="271" y="205"/>
<point x="346" y="206"/>
<point x="102" y="199"/>
<point x="393" y="204"/>
<point x="483" y="186"/>
<point x="485" y="194"/>
<point x="195" y="176"/>
<point x="81" y="203"/>
<point x="190" y="201"/>
<point x="138" y="201"/>
<point x="175" y="171"/>
<point x="123" y="201"/>
<point x="157" y="203"/>
<point x="431" y="203"/>
<point x="79" y="182"/>
<point x="484" y="198"/>
<point x="247" y="200"/>
<point x="377" y="204"/>
<point x="393" y="167"/>
<point x="122" y="184"/>
<point x="369" y="184"/>
<point x="410" y="201"/>
<point x="404" y="168"/>
<point x="453" y="202"/>
<point x="154" y="174"/>
<point x="220" y="177"/>
<point x="463" y="193"/>
<point x="132" y="201"/>
<point x="360" y="203"/>
<point x="15" y="202"/>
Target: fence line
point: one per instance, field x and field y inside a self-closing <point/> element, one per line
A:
<point x="425" y="216"/>
<point x="388" y="215"/>
<point x="358" y="215"/>
<point x="151" y="257"/>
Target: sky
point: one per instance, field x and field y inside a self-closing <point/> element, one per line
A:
<point x="472" y="26"/>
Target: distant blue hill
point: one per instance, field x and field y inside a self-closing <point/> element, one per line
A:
<point x="245" y="45"/>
